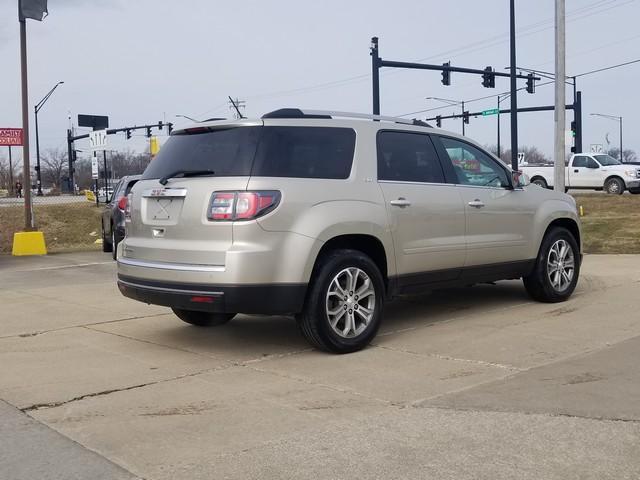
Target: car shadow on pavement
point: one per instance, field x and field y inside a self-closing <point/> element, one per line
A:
<point x="254" y="336"/>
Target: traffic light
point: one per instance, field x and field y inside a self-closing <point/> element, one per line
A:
<point x="488" y="78"/>
<point x="465" y="117"/>
<point x="531" y="86"/>
<point x="438" y="121"/>
<point x="169" y="128"/>
<point x="149" y="132"/>
<point x="128" y="132"/>
<point x="573" y="134"/>
<point x="159" y="125"/>
<point x="446" y="74"/>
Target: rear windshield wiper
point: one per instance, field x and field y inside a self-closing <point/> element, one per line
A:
<point x="185" y="173"/>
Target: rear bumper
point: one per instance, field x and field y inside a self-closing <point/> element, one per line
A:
<point x="268" y="299"/>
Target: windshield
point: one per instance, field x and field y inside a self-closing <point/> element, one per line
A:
<point x="606" y="160"/>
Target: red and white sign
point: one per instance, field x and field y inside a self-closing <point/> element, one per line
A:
<point x="10" y="137"/>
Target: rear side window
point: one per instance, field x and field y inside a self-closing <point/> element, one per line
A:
<point x="408" y="157"/>
<point x="305" y="152"/>
<point x="228" y="152"/>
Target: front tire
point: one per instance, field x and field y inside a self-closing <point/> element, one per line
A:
<point x="614" y="186"/>
<point x="203" y="319"/>
<point x="556" y="271"/>
<point x="343" y="309"/>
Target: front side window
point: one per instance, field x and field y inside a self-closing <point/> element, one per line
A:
<point x="408" y="157"/>
<point x="472" y="166"/>
<point x="580" y="161"/>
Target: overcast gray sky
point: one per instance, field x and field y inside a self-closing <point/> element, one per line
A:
<point x="146" y="60"/>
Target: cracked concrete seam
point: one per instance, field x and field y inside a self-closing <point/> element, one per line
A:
<point x="104" y="322"/>
<point x="528" y="413"/>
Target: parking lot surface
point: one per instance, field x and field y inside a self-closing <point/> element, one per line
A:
<point x="463" y="384"/>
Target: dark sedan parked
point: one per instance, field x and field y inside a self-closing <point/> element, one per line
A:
<point x="113" y="214"/>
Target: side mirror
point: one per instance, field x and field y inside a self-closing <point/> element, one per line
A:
<point x="520" y="179"/>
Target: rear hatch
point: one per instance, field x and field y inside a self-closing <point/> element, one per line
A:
<point x="169" y="221"/>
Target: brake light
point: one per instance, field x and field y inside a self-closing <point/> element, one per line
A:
<point x="122" y="203"/>
<point x="127" y="206"/>
<point x="232" y="206"/>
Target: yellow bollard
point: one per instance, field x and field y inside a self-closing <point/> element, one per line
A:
<point x="581" y="211"/>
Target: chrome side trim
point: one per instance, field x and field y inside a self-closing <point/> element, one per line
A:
<point x="169" y="290"/>
<point x="182" y="267"/>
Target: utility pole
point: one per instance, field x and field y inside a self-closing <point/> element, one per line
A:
<point x="28" y="213"/>
<point x="237" y="105"/>
<point x="375" y="75"/>
<point x="514" y="87"/>
<point x="559" y="112"/>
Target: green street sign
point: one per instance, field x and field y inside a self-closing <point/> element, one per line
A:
<point x="493" y="111"/>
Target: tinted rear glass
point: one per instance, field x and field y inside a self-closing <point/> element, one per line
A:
<point x="228" y="152"/>
<point x="302" y="152"/>
<point x="305" y="152"/>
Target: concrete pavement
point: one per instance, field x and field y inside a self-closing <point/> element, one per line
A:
<point x="469" y="383"/>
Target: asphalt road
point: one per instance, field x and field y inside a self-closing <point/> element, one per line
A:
<point x="475" y="383"/>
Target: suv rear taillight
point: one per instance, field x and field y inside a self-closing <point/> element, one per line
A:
<point x="127" y="206"/>
<point x="234" y="206"/>
<point x="122" y="203"/>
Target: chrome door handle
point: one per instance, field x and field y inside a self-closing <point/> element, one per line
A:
<point x="476" y="203"/>
<point x="400" y="202"/>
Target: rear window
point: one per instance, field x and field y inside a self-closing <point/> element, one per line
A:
<point x="302" y="152"/>
<point x="305" y="152"/>
<point x="228" y="152"/>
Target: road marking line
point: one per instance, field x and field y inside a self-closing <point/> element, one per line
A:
<point x="58" y="267"/>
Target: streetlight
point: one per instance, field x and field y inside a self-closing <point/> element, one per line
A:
<point x="188" y="118"/>
<point x="36" y="109"/>
<point x="617" y="119"/>
<point x="451" y="102"/>
<point x="501" y="97"/>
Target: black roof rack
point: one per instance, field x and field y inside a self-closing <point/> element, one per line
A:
<point x="299" y="113"/>
<point x="292" y="113"/>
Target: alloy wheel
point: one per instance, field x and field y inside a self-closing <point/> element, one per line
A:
<point x="560" y="265"/>
<point x="350" y="302"/>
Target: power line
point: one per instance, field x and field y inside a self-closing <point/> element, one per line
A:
<point x="577" y="14"/>
<point x="608" y="68"/>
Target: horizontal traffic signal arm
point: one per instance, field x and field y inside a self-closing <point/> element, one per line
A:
<point x="446" y="68"/>
<point x="111" y="131"/>
<point x="479" y="114"/>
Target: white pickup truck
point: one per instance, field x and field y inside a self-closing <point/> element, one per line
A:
<point x="591" y="172"/>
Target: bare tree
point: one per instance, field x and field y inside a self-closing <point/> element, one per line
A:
<point x="628" y="155"/>
<point x="54" y="165"/>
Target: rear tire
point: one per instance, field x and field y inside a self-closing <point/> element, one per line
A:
<point x="343" y="309"/>
<point x="614" y="186"/>
<point x="107" y="246"/>
<point x="541" y="182"/>
<point x="556" y="271"/>
<point x="203" y="319"/>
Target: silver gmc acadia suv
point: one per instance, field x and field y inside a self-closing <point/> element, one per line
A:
<point x="326" y="215"/>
